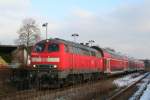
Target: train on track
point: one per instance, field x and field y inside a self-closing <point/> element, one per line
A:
<point x="57" y="61"/>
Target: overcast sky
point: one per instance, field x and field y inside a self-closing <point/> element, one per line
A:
<point x="120" y="24"/>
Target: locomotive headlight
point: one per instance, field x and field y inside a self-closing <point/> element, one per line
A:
<point x="55" y="66"/>
<point x="34" y="66"/>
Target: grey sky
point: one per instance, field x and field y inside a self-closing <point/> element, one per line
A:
<point x="124" y="27"/>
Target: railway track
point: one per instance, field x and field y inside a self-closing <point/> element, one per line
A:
<point x="121" y="93"/>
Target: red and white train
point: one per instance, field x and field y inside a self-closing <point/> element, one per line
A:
<point x="61" y="60"/>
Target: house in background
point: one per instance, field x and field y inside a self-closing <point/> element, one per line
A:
<point x="19" y="56"/>
<point x="5" y="53"/>
<point x="3" y="63"/>
<point x="14" y="56"/>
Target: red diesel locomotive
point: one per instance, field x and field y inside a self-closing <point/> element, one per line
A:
<point x="59" y="60"/>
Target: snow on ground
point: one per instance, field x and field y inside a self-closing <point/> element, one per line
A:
<point x="141" y="87"/>
<point x="127" y="80"/>
<point x="139" y="92"/>
<point x="146" y="94"/>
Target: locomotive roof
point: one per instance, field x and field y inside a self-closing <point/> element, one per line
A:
<point x="114" y="54"/>
<point x="57" y="40"/>
<point x="94" y="48"/>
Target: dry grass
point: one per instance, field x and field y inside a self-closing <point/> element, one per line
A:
<point x="5" y="86"/>
<point x="87" y="91"/>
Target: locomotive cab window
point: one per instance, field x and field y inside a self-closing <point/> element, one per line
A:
<point x="53" y="47"/>
<point x="39" y="47"/>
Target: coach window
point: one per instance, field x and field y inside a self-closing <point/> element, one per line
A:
<point x="53" y="47"/>
<point x="39" y="47"/>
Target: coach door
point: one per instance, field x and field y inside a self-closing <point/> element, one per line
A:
<point x="107" y="62"/>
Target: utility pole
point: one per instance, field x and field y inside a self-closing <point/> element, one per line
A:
<point x="91" y="42"/>
<point x="73" y="57"/>
<point x="46" y="26"/>
<point x="74" y="36"/>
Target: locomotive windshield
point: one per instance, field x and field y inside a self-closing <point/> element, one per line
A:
<point x="53" y="47"/>
<point x="39" y="47"/>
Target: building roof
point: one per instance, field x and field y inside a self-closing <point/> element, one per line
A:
<point x="7" y="48"/>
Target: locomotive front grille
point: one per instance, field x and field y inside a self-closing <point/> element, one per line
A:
<point x="43" y="66"/>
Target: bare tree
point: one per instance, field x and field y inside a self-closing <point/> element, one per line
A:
<point x="29" y="33"/>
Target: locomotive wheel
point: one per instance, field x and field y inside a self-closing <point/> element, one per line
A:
<point x="95" y="76"/>
<point x="41" y="81"/>
<point x="80" y="78"/>
<point x="61" y="83"/>
<point x="37" y="84"/>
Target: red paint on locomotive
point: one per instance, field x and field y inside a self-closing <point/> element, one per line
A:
<point x="68" y="57"/>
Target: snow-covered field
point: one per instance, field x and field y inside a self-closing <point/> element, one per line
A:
<point x="127" y="80"/>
